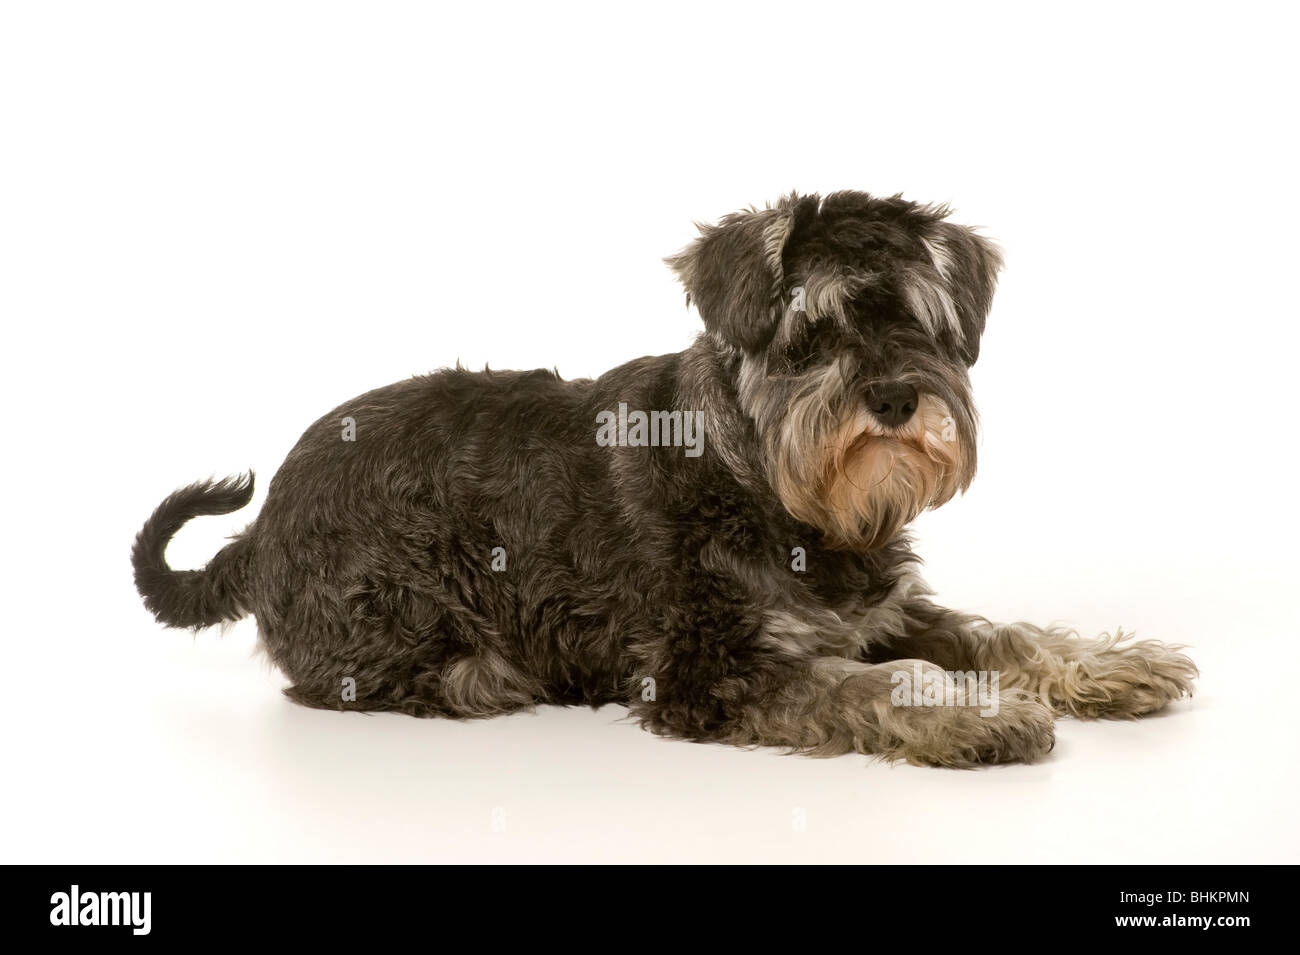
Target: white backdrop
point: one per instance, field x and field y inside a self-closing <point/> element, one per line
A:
<point x="219" y="221"/>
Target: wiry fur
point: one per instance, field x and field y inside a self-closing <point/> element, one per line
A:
<point x="644" y="576"/>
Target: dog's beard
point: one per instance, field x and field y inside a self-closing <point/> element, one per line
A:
<point x="835" y="466"/>
<point x="861" y="482"/>
<point x="876" y="480"/>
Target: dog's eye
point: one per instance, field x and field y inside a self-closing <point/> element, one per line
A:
<point x="799" y="355"/>
<point x="806" y="349"/>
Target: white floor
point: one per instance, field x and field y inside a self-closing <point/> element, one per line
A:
<point x="167" y="749"/>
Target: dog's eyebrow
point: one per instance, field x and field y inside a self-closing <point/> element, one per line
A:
<point x="829" y="295"/>
<point x="931" y="303"/>
<point x="940" y="255"/>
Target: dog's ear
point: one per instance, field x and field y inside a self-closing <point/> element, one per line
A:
<point x="967" y="266"/>
<point x="733" y="273"/>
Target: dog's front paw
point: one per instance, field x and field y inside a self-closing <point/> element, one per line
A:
<point x="1011" y="727"/>
<point x="1103" y="680"/>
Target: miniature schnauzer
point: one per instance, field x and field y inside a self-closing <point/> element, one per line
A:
<point x="714" y="538"/>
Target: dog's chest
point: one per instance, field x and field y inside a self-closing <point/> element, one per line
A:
<point x="846" y="631"/>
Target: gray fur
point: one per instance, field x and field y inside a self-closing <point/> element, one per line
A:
<point x="475" y="551"/>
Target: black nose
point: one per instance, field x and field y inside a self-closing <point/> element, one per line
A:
<point x="892" y="402"/>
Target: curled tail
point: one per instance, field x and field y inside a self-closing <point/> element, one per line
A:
<point x="194" y="598"/>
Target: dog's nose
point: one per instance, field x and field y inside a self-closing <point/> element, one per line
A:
<point x="892" y="402"/>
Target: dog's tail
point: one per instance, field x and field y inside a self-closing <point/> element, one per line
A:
<point x="194" y="598"/>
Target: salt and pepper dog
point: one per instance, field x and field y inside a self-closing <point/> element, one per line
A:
<point x="714" y="538"/>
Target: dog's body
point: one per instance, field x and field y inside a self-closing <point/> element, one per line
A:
<point x="463" y="545"/>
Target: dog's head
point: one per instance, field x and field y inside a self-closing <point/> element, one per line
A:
<point x="851" y="322"/>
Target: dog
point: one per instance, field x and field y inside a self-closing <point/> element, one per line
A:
<point x="714" y="538"/>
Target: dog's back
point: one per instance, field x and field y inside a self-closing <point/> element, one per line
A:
<point x="447" y="545"/>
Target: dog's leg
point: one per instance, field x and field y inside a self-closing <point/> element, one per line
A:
<point x="410" y="647"/>
<point x="1100" y="678"/>
<point x="828" y="706"/>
